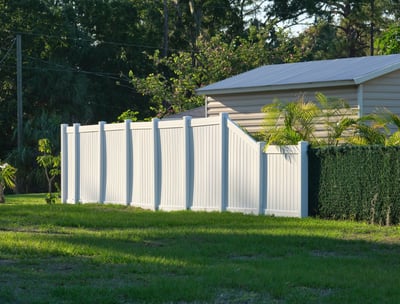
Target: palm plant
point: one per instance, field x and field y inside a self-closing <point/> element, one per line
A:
<point x="336" y="116"/>
<point x="287" y="124"/>
<point x="7" y="179"/>
<point x="381" y="128"/>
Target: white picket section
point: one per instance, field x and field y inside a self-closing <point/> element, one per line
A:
<point x="198" y="164"/>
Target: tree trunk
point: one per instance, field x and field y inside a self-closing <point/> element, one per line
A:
<point x="2" y="197"/>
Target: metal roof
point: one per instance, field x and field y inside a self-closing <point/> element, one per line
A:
<point x="313" y="74"/>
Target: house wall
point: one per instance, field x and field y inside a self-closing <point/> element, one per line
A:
<point x="383" y="92"/>
<point x="245" y="109"/>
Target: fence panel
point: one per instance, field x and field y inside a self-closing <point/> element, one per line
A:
<point x="171" y="158"/>
<point x="115" y="163"/>
<point x="286" y="182"/>
<point x="89" y="164"/>
<point x="206" y="162"/>
<point x="246" y="172"/>
<point x="143" y="163"/>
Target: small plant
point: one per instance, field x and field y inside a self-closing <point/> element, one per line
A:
<point x="51" y="165"/>
<point x="7" y="179"/>
<point x="50" y="198"/>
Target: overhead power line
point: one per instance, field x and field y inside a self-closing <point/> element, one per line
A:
<point x="55" y="67"/>
<point x="8" y="52"/>
<point x="98" y="41"/>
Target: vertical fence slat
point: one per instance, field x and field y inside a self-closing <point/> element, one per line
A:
<point x="187" y="168"/>
<point x="262" y="178"/>
<point x="303" y="179"/>
<point x="76" y="153"/>
<point x="128" y="162"/>
<point x="156" y="164"/>
<point x="64" y="163"/>
<point x="224" y="160"/>
<point x="102" y="162"/>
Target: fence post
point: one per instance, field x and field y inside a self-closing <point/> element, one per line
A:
<point x="77" y="164"/>
<point x="303" y="178"/>
<point x="224" y="160"/>
<point x="187" y="168"/>
<point x="64" y="163"/>
<point x="128" y="162"/>
<point x="262" y="183"/>
<point x="102" y="162"/>
<point x="156" y="164"/>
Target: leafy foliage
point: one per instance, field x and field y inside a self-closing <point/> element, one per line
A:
<point x="172" y="84"/>
<point x="388" y="42"/>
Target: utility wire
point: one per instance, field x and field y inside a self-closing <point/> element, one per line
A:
<point x="54" y="67"/>
<point x="63" y="68"/>
<point x="95" y="42"/>
<point x="8" y="51"/>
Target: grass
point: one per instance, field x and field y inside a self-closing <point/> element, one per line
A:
<point x="117" y="254"/>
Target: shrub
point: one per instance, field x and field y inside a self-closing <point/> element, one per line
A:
<point x="355" y="182"/>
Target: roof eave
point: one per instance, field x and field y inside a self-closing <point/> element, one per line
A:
<point x="376" y="74"/>
<point x="296" y="86"/>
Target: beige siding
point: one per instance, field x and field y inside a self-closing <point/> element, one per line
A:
<point x="245" y="109"/>
<point x="383" y="92"/>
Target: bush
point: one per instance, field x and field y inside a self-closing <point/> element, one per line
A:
<point x="355" y="182"/>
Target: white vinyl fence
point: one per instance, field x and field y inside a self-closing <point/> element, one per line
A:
<point x="198" y="164"/>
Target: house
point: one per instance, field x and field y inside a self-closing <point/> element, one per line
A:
<point x="366" y="83"/>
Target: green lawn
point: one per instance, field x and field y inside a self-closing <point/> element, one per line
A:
<point x="116" y="254"/>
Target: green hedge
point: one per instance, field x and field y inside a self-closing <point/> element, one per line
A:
<point x="355" y="182"/>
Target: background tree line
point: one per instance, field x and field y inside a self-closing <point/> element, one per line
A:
<point x="91" y="60"/>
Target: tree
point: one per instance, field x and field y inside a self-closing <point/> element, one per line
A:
<point x="73" y="56"/>
<point x="51" y="165"/>
<point x="171" y="84"/>
<point x="356" y="21"/>
<point x="317" y="42"/>
<point x="389" y="41"/>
